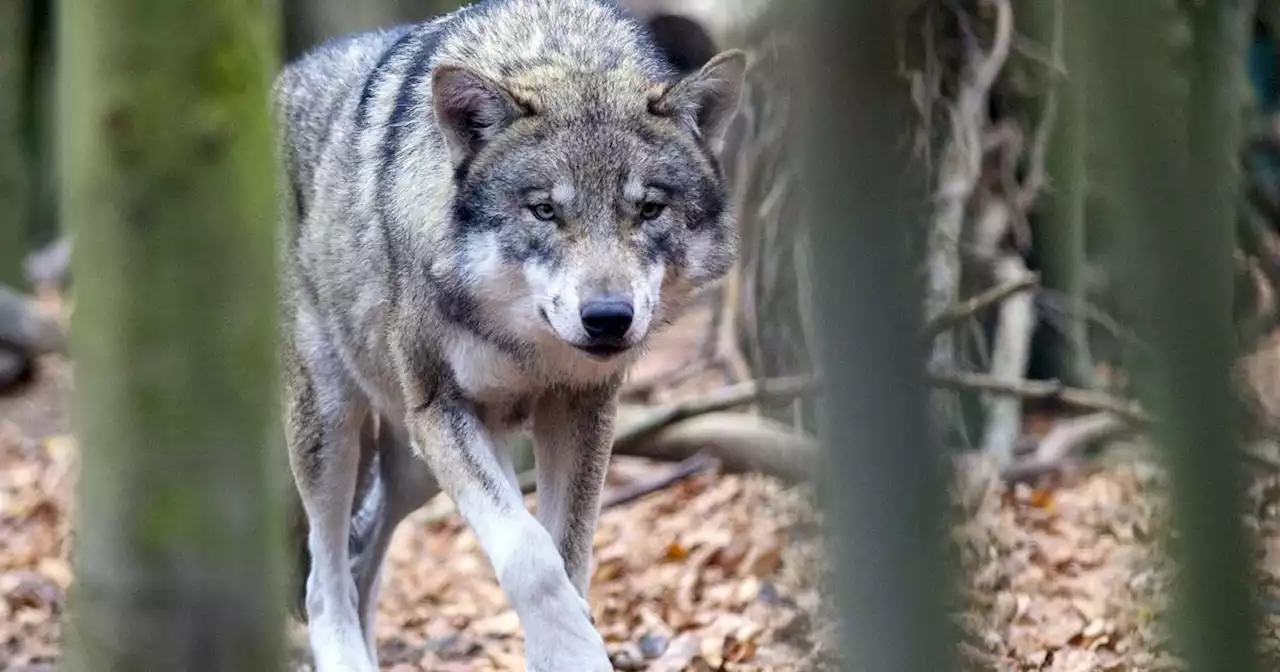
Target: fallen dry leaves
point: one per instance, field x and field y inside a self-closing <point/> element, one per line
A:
<point x="689" y="578"/>
<point x="714" y="573"/>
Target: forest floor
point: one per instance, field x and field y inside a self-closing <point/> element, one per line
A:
<point x="715" y="572"/>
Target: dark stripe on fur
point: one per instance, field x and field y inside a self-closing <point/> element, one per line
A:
<point x="406" y="100"/>
<point x="375" y="77"/>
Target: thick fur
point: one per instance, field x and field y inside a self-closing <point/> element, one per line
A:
<point x="461" y="195"/>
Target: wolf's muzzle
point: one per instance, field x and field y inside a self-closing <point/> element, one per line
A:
<point x="607" y="319"/>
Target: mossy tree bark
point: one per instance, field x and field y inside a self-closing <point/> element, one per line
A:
<point x="170" y="190"/>
<point x="882" y="482"/>
<point x="1169" y="81"/>
<point x="15" y="175"/>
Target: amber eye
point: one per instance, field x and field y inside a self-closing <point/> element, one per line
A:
<point x="544" y="211"/>
<point x="651" y="210"/>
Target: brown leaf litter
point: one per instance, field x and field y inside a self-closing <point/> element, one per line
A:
<point x="714" y="573"/>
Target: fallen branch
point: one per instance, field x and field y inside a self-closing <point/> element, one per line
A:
<point x="1045" y="390"/>
<point x="1066" y="440"/>
<point x="741" y="443"/>
<point x="643" y="422"/>
<point x="959" y="313"/>
<point x="691" y="466"/>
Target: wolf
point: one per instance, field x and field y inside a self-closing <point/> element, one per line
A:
<point x="487" y="216"/>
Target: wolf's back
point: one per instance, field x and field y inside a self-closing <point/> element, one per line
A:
<point x="310" y="95"/>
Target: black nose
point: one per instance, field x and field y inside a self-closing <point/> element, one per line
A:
<point x="607" y="319"/>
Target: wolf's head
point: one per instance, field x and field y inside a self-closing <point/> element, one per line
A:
<point x="588" y="203"/>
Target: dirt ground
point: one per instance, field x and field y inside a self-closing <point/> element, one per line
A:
<point x="714" y="573"/>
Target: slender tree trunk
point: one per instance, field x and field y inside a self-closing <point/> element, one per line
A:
<point x="15" y="174"/>
<point x="41" y="124"/>
<point x="881" y="482"/>
<point x="1059" y="238"/>
<point x="169" y="189"/>
<point x="1171" y="91"/>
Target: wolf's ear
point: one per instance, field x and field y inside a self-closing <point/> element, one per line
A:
<point x="708" y="98"/>
<point x="470" y="109"/>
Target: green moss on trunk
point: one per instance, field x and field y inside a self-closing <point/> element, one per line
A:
<point x="169" y="187"/>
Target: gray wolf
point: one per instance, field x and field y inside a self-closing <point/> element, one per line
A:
<point x="486" y="218"/>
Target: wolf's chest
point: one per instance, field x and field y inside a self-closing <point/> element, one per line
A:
<point x="485" y="373"/>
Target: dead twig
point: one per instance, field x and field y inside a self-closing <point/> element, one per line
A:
<point x="688" y="467"/>
<point x="959" y="313"/>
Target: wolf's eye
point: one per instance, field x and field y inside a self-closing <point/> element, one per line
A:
<point x="651" y="210"/>
<point x="544" y="211"/>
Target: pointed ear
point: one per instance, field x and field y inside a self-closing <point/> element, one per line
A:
<point x="470" y="109"/>
<point x="708" y="99"/>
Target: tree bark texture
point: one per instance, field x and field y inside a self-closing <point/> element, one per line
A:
<point x="1059" y="237"/>
<point x="170" y="191"/>
<point x="1169" y="81"/>
<point x="881" y="480"/>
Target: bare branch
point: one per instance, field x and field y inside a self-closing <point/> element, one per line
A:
<point x="1066" y="439"/>
<point x="960" y="312"/>
<point x="688" y="467"/>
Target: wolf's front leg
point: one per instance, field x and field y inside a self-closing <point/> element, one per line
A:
<point x="324" y="420"/>
<point x="559" y="635"/>
<point x="573" y="436"/>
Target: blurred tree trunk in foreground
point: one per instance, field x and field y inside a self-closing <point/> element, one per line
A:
<point x="1169" y="80"/>
<point x="882" y="481"/>
<point x="170" y="190"/>
<point x="15" y="176"/>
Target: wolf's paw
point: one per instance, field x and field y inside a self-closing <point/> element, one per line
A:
<point x="575" y="661"/>
<point x="571" y="644"/>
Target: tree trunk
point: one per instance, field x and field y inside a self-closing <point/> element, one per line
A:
<point x="41" y="126"/>
<point x="1058" y="244"/>
<point x="15" y="173"/>
<point x="167" y="143"/>
<point x="881" y="481"/>
<point x="1170" y="91"/>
